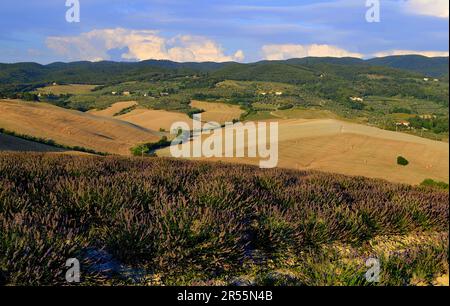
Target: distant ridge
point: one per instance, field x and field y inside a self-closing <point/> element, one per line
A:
<point x="298" y="69"/>
<point x="431" y="66"/>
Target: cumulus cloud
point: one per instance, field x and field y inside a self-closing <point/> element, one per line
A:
<point x="409" y="52"/>
<point x="140" y="45"/>
<point x="436" y="8"/>
<point x="280" y="52"/>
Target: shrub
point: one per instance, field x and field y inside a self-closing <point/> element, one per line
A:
<point x="125" y="110"/>
<point x="434" y="184"/>
<point x="150" y="148"/>
<point x="286" y="106"/>
<point x="402" y="161"/>
<point x="194" y="111"/>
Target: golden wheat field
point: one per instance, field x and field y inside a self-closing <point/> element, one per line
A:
<point x="72" y="128"/>
<point x="147" y="118"/>
<point x="218" y="112"/>
<point x="320" y="144"/>
<point x="353" y="149"/>
<point x="155" y="119"/>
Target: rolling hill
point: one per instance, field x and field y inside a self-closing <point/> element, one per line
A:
<point x="11" y="143"/>
<point x="430" y="66"/>
<point x="341" y="147"/>
<point x="72" y="128"/>
<point x="106" y="71"/>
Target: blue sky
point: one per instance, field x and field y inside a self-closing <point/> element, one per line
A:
<point x="221" y="30"/>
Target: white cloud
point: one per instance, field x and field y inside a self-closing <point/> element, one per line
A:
<point x="280" y="52"/>
<point x="436" y="8"/>
<point x="408" y="52"/>
<point x="141" y="45"/>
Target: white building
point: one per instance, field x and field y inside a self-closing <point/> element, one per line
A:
<point x="357" y="99"/>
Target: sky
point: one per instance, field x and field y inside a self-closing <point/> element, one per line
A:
<point x="219" y="30"/>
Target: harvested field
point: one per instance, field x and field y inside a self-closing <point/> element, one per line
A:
<point x="218" y="112"/>
<point x="352" y="149"/>
<point x="72" y="128"/>
<point x="147" y="118"/>
<point x="154" y="119"/>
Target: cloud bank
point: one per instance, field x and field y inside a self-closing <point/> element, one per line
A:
<point x="281" y="52"/>
<point x="435" y="8"/>
<point x="132" y="45"/>
<point x="139" y="45"/>
<point x="409" y="52"/>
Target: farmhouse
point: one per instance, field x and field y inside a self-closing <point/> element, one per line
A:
<point x="403" y="123"/>
<point x="427" y="116"/>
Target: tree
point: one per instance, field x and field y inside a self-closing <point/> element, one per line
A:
<point x="402" y="161"/>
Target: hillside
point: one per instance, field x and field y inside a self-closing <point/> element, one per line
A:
<point x="156" y="120"/>
<point x="354" y="149"/>
<point x="11" y="143"/>
<point x="329" y="83"/>
<point x="170" y="222"/>
<point x="104" y="72"/>
<point x="72" y="128"/>
<point x="430" y="66"/>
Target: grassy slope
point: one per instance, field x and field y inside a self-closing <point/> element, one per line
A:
<point x="66" y="89"/>
<point x="159" y="221"/>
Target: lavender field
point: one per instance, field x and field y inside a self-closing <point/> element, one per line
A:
<point x="157" y="221"/>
